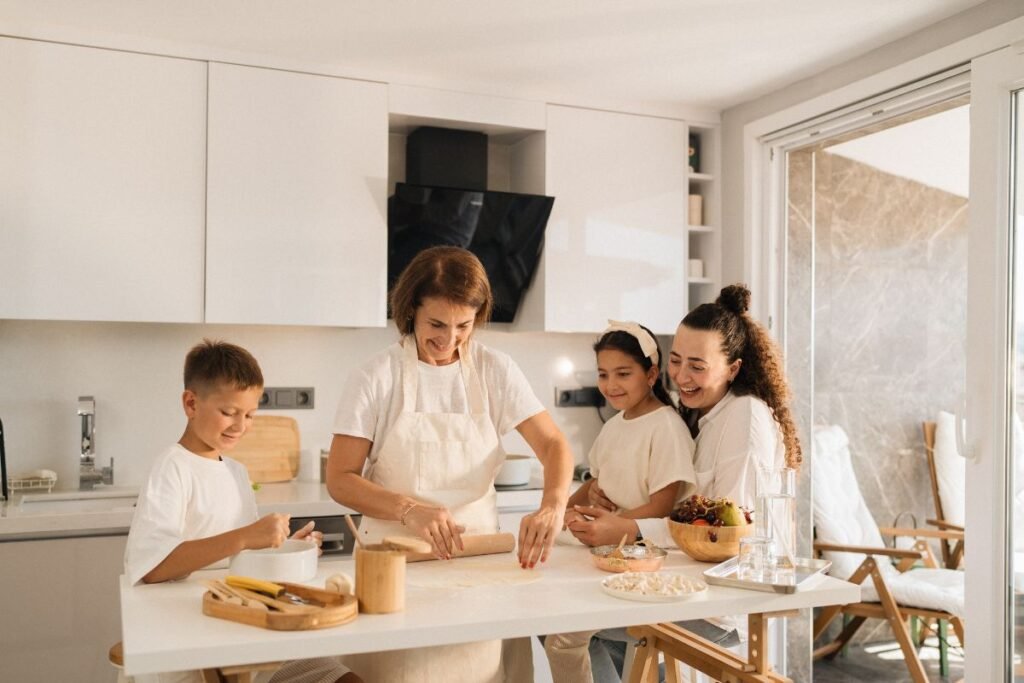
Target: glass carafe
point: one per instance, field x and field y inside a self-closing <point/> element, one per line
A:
<point x="775" y="517"/>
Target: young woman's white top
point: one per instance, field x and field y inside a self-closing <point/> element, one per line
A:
<point x="372" y="398"/>
<point x="633" y="458"/>
<point x="734" y="439"/>
<point x="185" y="498"/>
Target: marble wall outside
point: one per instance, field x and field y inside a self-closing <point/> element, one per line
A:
<point x="887" y="258"/>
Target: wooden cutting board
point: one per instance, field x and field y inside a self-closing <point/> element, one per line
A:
<point x="270" y="449"/>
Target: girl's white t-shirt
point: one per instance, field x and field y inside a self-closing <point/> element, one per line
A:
<point x="633" y="458"/>
<point x="186" y="497"/>
<point x="371" y="400"/>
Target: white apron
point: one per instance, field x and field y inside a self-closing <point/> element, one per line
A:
<point x="448" y="459"/>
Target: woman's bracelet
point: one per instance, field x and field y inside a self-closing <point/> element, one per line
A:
<point x="406" y="511"/>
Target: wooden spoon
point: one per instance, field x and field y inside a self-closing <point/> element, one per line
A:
<point x="618" y="550"/>
<point x="352" y="528"/>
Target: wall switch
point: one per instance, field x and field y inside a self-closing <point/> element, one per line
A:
<point x="287" y="398"/>
<point x="574" y="398"/>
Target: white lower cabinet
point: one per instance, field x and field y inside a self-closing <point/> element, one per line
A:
<point x="296" y="209"/>
<point x="61" y="608"/>
<point x="615" y="246"/>
<point x="102" y="184"/>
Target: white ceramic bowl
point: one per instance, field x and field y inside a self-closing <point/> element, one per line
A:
<point x="294" y="561"/>
<point x="515" y="471"/>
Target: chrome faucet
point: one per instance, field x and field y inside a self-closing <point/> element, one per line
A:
<point x="88" y="475"/>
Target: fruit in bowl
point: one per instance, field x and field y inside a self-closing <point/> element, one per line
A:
<point x="709" y="529"/>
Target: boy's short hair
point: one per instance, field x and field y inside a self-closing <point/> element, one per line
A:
<point x="211" y="363"/>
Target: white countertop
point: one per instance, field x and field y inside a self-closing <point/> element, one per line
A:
<point x="297" y="498"/>
<point x="165" y="630"/>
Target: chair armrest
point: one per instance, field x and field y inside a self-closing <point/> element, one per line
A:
<point x="922" y="533"/>
<point x="868" y="550"/>
<point x="944" y="525"/>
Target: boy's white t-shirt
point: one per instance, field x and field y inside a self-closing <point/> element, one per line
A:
<point x="633" y="458"/>
<point x="371" y="400"/>
<point x="186" y="497"/>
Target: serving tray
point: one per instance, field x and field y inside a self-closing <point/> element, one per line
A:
<point x="331" y="610"/>
<point x="724" y="574"/>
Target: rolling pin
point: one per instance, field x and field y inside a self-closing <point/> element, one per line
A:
<point x="479" y="544"/>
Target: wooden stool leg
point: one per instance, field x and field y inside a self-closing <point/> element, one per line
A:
<point x="672" y="673"/>
<point x="645" y="663"/>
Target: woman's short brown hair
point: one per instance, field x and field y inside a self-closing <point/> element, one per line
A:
<point x="446" y="273"/>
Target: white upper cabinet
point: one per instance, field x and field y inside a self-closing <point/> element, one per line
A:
<point x="615" y="246"/>
<point x="296" y="206"/>
<point x="102" y="184"/>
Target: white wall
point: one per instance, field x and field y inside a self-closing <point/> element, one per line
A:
<point x="900" y="55"/>
<point x="134" y="372"/>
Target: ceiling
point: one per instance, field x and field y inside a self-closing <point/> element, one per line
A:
<point x="704" y="53"/>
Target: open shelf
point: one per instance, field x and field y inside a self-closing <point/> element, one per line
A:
<point x="704" y="232"/>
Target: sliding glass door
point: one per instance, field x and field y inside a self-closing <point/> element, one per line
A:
<point x="993" y="438"/>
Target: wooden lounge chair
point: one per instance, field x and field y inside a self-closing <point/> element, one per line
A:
<point x="848" y="536"/>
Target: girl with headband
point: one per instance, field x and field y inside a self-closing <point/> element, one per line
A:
<point x="642" y="458"/>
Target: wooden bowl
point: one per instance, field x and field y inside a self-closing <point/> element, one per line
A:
<point x="709" y="543"/>
<point x="635" y="558"/>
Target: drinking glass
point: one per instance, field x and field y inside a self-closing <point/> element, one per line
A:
<point x="756" y="561"/>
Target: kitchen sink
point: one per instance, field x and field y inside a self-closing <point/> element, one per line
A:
<point x="112" y="499"/>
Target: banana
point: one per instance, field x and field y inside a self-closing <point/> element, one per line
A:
<point x="266" y="587"/>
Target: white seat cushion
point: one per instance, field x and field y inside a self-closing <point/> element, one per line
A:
<point x="840" y="514"/>
<point x="950" y="469"/>
<point x="938" y="589"/>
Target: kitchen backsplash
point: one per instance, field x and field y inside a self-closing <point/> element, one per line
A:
<point x="134" y="372"/>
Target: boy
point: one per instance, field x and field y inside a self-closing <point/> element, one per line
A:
<point x="197" y="508"/>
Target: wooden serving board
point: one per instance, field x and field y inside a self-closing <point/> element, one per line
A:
<point x="270" y="449"/>
<point x="334" y="610"/>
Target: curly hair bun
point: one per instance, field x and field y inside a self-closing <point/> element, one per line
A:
<point x="735" y="298"/>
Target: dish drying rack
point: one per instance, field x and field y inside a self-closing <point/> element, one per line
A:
<point x="32" y="483"/>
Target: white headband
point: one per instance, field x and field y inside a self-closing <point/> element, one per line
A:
<point x="648" y="344"/>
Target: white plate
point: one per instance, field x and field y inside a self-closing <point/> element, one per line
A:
<point x="695" y="587"/>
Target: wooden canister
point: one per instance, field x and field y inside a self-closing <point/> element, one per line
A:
<point x="696" y="209"/>
<point x="380" y="579"/>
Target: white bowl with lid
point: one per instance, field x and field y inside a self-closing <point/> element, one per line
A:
<point x="294" y="561"/>
<point x="515" y="471"/>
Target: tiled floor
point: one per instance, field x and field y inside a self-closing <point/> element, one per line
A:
<point x="884" y="662"/>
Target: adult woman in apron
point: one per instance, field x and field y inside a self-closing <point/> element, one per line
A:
<point x="416" y="447"/>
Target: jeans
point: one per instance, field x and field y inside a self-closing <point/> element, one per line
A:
<point x="608" y="648"/>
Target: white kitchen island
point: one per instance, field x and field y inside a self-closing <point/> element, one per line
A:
<point x="165" y="630"/>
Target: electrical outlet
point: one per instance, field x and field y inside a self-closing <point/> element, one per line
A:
<point x="287" y="398"/>
<point x="574" y="398"/>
